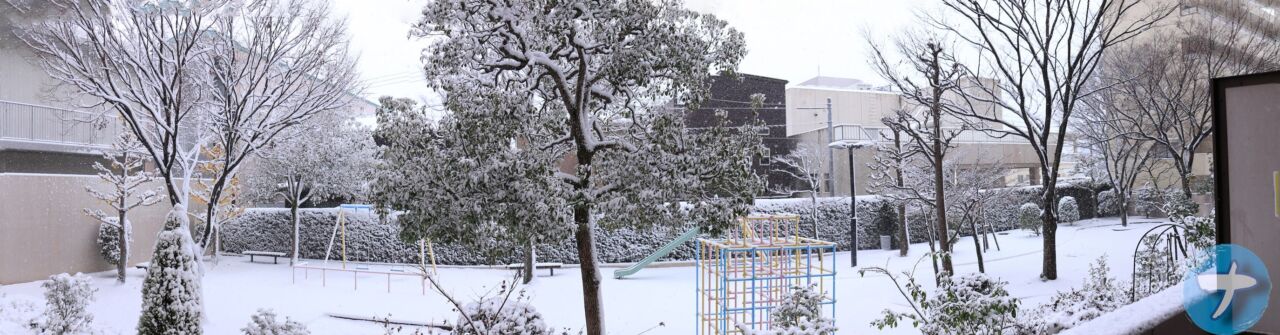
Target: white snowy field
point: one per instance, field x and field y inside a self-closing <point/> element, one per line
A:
<point x="234" y="289"/>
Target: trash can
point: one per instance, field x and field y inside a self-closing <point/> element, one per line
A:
<point x="886" y="242"/>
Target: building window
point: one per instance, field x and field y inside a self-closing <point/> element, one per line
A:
<point x="766" y="157"/>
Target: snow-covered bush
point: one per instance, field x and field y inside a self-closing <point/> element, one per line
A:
<point x="66" y="297"/>
<point x="1068" y="210"/>
<point x="1148" y="201"/>
<point x="965" y="304"/>
<point x="1099" y="295"/>
<point x="800" y="313"/>
<point x="497" y="315"/>
<point x="1176" y="205"/>
<point x="1108" y="203"/>
<point x="264" y="322"/>
<point x="109" y="240"/>
<point x="171" y="294"/>
<point x="1029" y="217"/>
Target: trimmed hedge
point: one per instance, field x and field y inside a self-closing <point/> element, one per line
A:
<point x="369" y="240"/>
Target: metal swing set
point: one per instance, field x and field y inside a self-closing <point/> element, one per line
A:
<point x="339" y="235"/>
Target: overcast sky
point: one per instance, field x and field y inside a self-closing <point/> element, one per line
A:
<point x="791" y="40"/>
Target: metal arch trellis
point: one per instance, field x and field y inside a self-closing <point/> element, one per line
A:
<point x="1173" y="236"/>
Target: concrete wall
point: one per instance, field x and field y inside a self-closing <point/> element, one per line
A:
<point x="44" y="231"/>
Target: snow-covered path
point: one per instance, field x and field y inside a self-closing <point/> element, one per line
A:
<point x="235" y="289"/>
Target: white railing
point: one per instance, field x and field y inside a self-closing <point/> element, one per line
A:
<point x="879" y="134"/>
<point x="34" y="123"/>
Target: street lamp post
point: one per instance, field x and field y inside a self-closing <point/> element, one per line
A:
<point x="853" y="199"/>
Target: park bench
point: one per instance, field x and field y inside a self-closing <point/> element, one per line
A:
<point x="143" y="265"/>
<point x="549" y="266"/>
<point x="275" y="256"/>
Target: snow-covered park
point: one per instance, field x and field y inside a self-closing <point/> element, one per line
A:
<point x="658" y="300"/>
<point x="542" y="145"/>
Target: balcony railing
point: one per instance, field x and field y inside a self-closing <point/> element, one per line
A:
<point x="48" y="125"/>
<point x="878" y="134"/>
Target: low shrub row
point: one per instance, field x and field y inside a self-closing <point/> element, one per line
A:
<point x="369" y="239"/>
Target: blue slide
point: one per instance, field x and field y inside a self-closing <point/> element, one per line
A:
<point x="666" y="249"/>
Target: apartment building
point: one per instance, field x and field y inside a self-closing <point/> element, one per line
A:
<point x="856" y="112"/>
<point x="732" y="94"/>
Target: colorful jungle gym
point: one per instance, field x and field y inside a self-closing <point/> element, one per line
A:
<point x="741" y="278"/>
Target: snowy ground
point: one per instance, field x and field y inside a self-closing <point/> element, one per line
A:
<point x="235" y="288"/>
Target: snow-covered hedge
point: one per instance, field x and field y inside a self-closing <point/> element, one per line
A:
<point x="370" y="240"/>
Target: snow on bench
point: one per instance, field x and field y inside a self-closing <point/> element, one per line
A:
<point x="549" y="266"/>
<point x="275" y="256"/>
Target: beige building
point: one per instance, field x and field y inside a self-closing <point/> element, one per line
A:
<point x="856" y="112"/>
<point x="47" y="148"/>
<point x="1197" y="27"/>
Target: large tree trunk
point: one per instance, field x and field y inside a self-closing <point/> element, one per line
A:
<point x="530" y="259"/>
<point x="123" y="235"/>
<point x="591" y="298"/>
<point x="939" y="197"/>
<point x="1124" y="209"/>
<point x="1049" y="230"/>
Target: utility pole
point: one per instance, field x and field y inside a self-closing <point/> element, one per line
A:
<point x="831" y="156"/>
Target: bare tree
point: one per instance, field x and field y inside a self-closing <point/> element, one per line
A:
<point x="1106" y="132"/>
<point x="141" y="60"/>
<point x="966" y="187"/>
<point x="277" y="64"/>
<point x="804" y="165"/>
<point x="1163" y="83"/>
<point x="1041" y="54"/>
<point x="932" y="74"/>
<point x="127" y="177"/>
<point x="326" y="157"/>
<point x="887" y="178"/>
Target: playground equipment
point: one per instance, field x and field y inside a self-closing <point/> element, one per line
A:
<point x="425" y="251"/>
<point x="742" y="277"/>
<point x="666" y="249"/>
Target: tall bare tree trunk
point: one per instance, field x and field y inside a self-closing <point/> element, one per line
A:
<point x="1050" y="232"/>
<point x="593" y="303"/>
<point x="1124" y="209"/>
<point x="529" y="260"/>
<point x="939" y="196"/>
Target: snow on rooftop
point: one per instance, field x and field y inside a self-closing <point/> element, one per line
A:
<point x="842" y="84"/>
